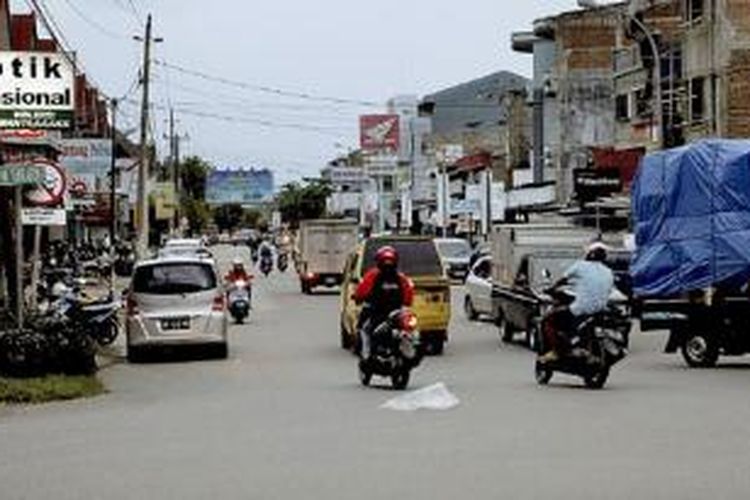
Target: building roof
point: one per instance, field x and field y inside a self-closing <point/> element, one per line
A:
<point x="473" y="105"/>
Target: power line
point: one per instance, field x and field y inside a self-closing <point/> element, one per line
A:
<point x="267" y="89"/>
<point x="129" y="11"/>
<point x="253" y="121"/>
<point x="101" y="29"/>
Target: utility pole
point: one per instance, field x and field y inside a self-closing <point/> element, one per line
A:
<point x="172" y="165"/>
<point x="177" y="181"/>
<point x="113" y="177"/>
<point x="141" y="209"/>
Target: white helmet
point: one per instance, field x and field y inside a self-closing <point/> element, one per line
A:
<point x="59" y="289"/>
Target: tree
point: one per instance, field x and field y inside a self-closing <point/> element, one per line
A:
<point x="193" y="174"/>
<point x="298" y="202"/>
<point x="228" y="217"/>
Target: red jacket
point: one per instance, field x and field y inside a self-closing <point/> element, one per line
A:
<point x="233" y="276"/>
<point x="370" y="279"/>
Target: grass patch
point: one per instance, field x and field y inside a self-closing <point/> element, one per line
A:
<point x="50" y="388"/>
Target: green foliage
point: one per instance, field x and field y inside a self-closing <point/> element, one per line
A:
<point x="298" y="202"/>
<point x="198" y="214"/>
<point x="253" y="218"/>
<point x="228" y="217"/>
<point x="193" y="173"/>
<point x="51" y="388"/>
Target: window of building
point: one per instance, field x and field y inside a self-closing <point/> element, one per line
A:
<point x="694" y="10"/>
<point x="697" y="99"/>
<point x="643" y="103"/>
<point x="622" y="107"/>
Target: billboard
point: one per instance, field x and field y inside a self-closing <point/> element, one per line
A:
<point x="87" y="163"/>
<point x="37" y="90"/>
<point x="379" y="132"/>
<point x="242" y="187"/>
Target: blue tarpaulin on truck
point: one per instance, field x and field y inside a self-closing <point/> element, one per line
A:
<point x="691" y="212"/>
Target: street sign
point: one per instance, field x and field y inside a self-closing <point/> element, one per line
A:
<point x="20" y="174"/>
<point x="51" y="190"/>
<point x="43" y="217"/>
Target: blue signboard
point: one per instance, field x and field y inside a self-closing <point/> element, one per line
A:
<point x="243" y="187"/>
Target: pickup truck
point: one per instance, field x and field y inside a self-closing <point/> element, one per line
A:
<point x="527" y="258"/>
<point x="324" y="246"/>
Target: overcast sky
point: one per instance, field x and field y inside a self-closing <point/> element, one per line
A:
<point x="352" y="49"/>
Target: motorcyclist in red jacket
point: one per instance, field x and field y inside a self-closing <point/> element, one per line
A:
<point x="383" y="290"/>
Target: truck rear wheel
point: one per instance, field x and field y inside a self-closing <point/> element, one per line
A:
<point x="700" y="350"/>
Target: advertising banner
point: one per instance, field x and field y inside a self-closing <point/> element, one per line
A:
<point x="87" y="163"/>
<point x="165" y="200"/>
<point x="378" y="132"/>
<point x="242" y="187"/>
<point x="36" y="90"/>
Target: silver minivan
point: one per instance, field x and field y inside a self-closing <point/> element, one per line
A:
<point x="176" y="302"/>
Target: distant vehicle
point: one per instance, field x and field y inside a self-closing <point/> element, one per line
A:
<point x="174" y="303"/>
<point x="478" y="300"/>
<point x="324" y="246"/>
<point x="184" y="251"/>
<point x="184" y="242"/>
<point x="455" y="254"/>
<point x="419" y="260"/>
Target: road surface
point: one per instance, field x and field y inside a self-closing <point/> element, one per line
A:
<point x="285" y="418"/>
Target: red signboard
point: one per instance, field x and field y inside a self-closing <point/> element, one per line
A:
<point x="378" y="132"/>
<point x="626" y="161"/>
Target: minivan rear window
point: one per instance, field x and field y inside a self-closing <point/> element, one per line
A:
<point x="416" y="257"/>
<point x="174" y="279"/>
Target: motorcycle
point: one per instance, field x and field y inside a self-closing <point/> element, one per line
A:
<point x="596" y="343"/>
<point x="97" y="319"/>
<point x="238" y="298"/>
<point x="394" y="350"/>
<point x="266" y="265"/>
<point x="282" y="262"/>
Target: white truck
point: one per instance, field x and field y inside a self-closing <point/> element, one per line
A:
<point x="323" y="248"/>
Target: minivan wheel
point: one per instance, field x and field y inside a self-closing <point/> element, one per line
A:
<point x="221" y="351"/>
<point x="700" y="351"/>
<point x="504" y="329"/>
<point x="136" y="354"/>
<point x="471" y="313"/>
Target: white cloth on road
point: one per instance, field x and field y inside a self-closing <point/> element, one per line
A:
<point x="434" y="397"/>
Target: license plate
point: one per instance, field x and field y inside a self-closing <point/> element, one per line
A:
<point x="330" y="281"/>
<point x="171" y="324"/>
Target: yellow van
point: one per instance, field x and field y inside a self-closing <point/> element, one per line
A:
<point x="419" y="260"/>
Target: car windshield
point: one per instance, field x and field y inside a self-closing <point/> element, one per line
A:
<point x="416" y="257"/>
<point x="453" y="249"/>
<point x="174" y="278"/>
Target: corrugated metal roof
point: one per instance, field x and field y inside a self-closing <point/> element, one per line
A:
<point x="474" y="105"/>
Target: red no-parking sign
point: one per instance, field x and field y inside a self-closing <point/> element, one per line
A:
<point x="51" y="191"/>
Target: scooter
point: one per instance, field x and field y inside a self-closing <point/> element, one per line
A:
<point x="596" y="343"/>
<point x="394" y="350"/>
<point x="238" y="298"/>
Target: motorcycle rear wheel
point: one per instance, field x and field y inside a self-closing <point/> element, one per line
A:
<point x="597" y="379"/>
<point x="365" y="375"/>
<point x="543" y="374"/>
<point x="400" y="380"/>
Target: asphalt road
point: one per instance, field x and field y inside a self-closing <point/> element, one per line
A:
<point x="285" y="418"/>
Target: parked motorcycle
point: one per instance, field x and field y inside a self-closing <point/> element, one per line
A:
<point x="238" y="297"/>
<point x="97" y="319"/>
<point x="394" y="350"/>
<point x="596" y="343"/>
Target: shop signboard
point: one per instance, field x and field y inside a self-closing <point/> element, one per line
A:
<point x="164" y="200"/>
<point x="21" y="174"/>
<point x="38" y="90"/>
